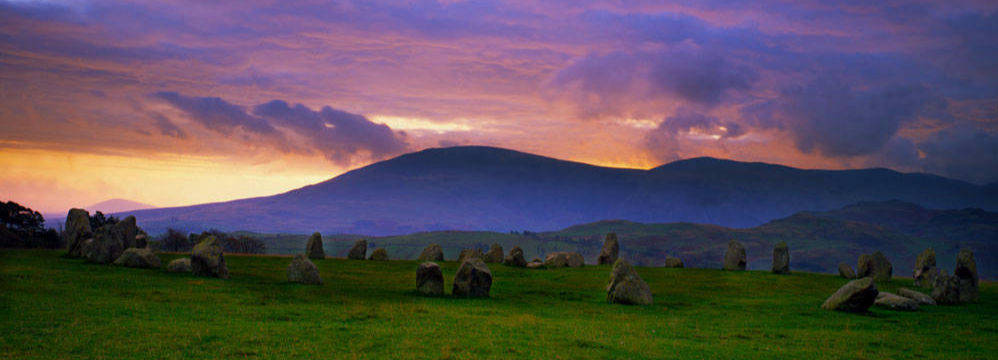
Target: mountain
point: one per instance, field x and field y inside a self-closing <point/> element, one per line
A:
<point x="117" y="205"/>
<point x="485" y="188"/>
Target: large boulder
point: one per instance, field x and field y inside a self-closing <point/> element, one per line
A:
<point x="302" y="270"/>
<point x="946" y="289"/>
<point x="468" y="254"/>
<point x="473" y="279"/>
<point x="379" y="254"/>
<point x="494" y="255"/>
<point x="734" y="257"/>
<point x="179" y="265"/>
<point x="207" y="259"/>
<point x="358" y="251"/>
<point x="433" y="252"/>
<point x="429" y="279"/>
<point x="77" y="230"/>
<point x="611" y="249"/>
<point x="925" y="268"/>
<point x="855" y="296"/>
<point x="626" y="286"/>
<point x="894" y="302"/>
<point x="515" y="258"/>
<point x="563" y="259"/>
<point x="966" y="274"/>
<point x="673" y="262"/>
<point x="105" y="247"/>
<point x="917" y="296"/>
<point x="876" y="266"/>
<point x="314" y="247"/>
<point x="846" y="271"/>
<point x="781" y="258"/>
<point x="139" y="258"/>
<point x="129" y="233"/>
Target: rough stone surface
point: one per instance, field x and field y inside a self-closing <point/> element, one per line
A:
<point x="515" y="257"/>
<point x="207" y="259"/>
<point x="966" y="274"/>
<point x="925" y="268"/>
<point x="626" y="286"/>
<point x="429" y="279"/>
<point x="77" y="230"/>
<point x="433" y="252"/>
<point x="139" y="258"/>
<point x="106" y="246"/>
<point x="129" y="233"/>
<point x="358" y="251"/>
<point x="469" y="253"/>
<point x="876" y="266"/>
<point x="946" y="290"/>
<point x="302" y="270"/>
<point x="535" y="265"/>
<point x="846" y="271"/>
<point x="314" y="247"/>
<point x="781" y="258"/>
<point x="473" y="279"/>
<point x="673" y="262"/>
<point x="734" y="257"/>
<point x="855" y="296"/>
<point x="179" y="265"/>
<point x="611" y="249"/>
<point x="917" y="296"/>
<point x="379" y="254"/>
<point x="494" y="255"/>
<point x="563" y="259"/>
<point x="894" y="302"/>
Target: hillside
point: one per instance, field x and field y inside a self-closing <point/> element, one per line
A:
<point x="818" y="240"/>
<point x="483" y="188"/>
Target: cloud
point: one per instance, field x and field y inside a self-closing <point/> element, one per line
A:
<point x="687" y="127"/>
<point x="962" y="152"/>
<point x="166" y="127"/>
<point x="341" y="137"/>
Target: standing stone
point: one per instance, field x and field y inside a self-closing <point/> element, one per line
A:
<point x="917" y="296"/>
<point x="128" y="232"/>
<point x="106" y="246"/>
<point x="876" y="266"/>
<point x="966" y="274"/>
<point x="468" y="254"/>
<point x="946" y="290"/>
<point x="179" y="265"/>
<point x="379" y="254"/>
<point x="925" y="268"/>
<point x="494" y="255"/>
<point x="207" y="259"/>
<point x="781" y="258"/>
<point x="515" y="258"/>
<point x="611" y="249"/>
<point x="139" y="258"/>
<point x="433" y="252"/>
<point x="846" y="271"/>
<point x="626" y="286"/>
<point x="303" y="271"/>
<point x="77" y="230"/>
<point x="894" y="302"/>
<point x="673" y="262"/>
<point x="314" y="247"/>
<point x="734" y="258"/>
<point x="429" y="279"/>
<point x="563" y="259"/>
<point x="358" y="251"/>
<point x="473" y="279"/>
<point x="855" y="296"/>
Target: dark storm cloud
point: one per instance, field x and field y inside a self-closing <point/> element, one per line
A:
<point x="962" y="152"/>
<point x="217" y="114"/>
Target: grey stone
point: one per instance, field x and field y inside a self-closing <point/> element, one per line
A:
<point x="876" y="266"/>
<point x="611" y="249"/>
<point x="207" y="259"/>
<point x="515" y="257"/>
<point x="139" y="258"/>
<point x="494" y="255"/>
<point x="966" y="274"/>
<point x="781" y="258"/>
<point x="734" y="257"/>
<point x="433" y="252"/>
<point x="358" y="251"/>
<point x="429" y="279"/>
<point x="314" y="247"/>
<point x="179" y="265"/>
<point x="925" y="268"/>
<point x="921" y="298"/>
<point x="473" y="279"/>
<point x="673" y="262"/>
<point x="77" y="230"/>
<point x="894" y="302"/>
<point x="563" y="259"/>
<point x="303" y="271"/>
<point x="855" y="296"/>
<point x="468" y="254"/>
<point x="626" y="286"/>
<point x="379" y="254"/>
<point x="846" y="271"/>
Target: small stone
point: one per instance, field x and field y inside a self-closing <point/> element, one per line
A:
<point x="781" y="258"/>
<point x="917" y="296"/>
<point x="433" y="252"/>
<point x="515" y="258"/>
<point x="138" y="258"/>
<point x="379" y="254"/>
<point x="611" y="249"/>
<point x="494" y="255"/>
<point x="429" y="279"/>
<point x="734" y="257"/>
<point x="855" y="296"/>
<point x="966" y="274"/>
<point x="303" y="271"/>
<point x="469" y="253"/>
<point x="535" y="265"/>
<point x="846" y="271"/>
<point x="207" y="259"/>
<point x="673" y="262"/>
<point x="894" y="302"/>
<point x="876" y="266"/>
<point x="563" y="259"/>
<point x="946" y="290"/>
<point x="179" y="265"/>
<point x="925" y="268"/>
<point x="358" y="251"/>
<point x="314" y="247"/>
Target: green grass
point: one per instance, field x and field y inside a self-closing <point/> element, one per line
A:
<point x="52" y="307"/>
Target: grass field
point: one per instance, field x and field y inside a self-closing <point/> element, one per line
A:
<point x="52" y="307"/>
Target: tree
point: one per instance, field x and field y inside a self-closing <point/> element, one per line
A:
<point x="23" y="227"/>
<point x="98" y="219"/>
<point x="174" y="240"/>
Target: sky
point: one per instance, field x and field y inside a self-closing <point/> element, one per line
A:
<point x="182" y="102"/>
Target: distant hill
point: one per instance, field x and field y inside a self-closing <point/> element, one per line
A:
<point x="818" y="240"/>
<point x="484" y="188"/>
<point x="117" y="205"/>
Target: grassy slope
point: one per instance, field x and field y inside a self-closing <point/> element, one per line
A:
<point x="61" y="308"/>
